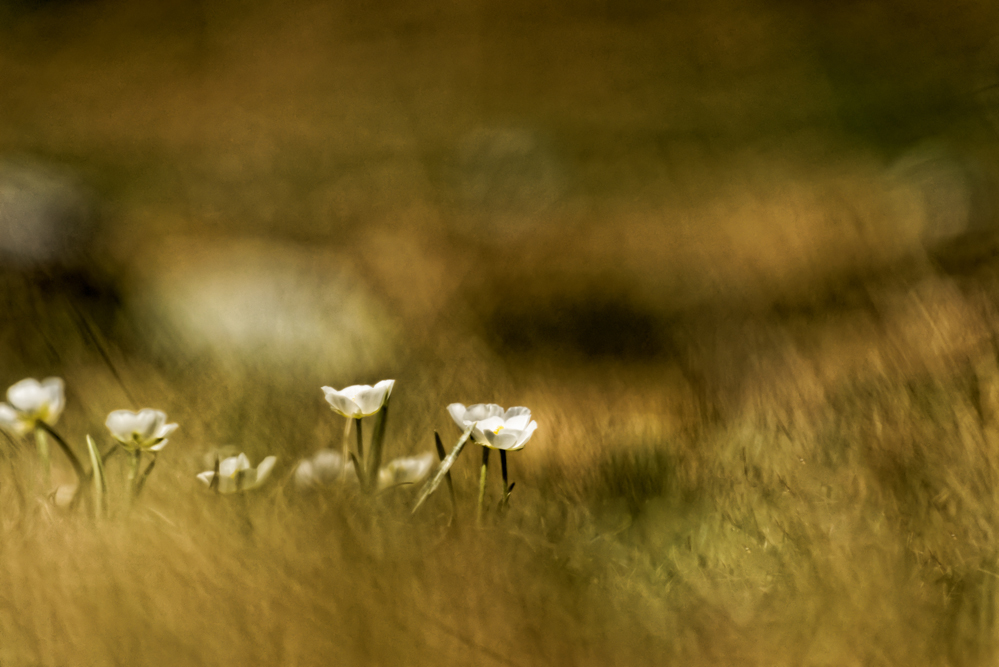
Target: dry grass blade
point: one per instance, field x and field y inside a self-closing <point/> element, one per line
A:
<point x="100" y="485"/>
<point x="442" y="471"/>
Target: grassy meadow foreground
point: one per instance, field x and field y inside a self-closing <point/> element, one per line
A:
<point x="835" y="505"/>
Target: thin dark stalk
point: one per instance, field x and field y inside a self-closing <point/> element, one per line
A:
<point x="360" y="439"/>
<point x="377" y="440"/>
<point x="214" y="485"/>
<point x="145" y="475"/>
<point x="506" y="486"/>
<point x="482" y="484"/>
<point x="442" y="454"/>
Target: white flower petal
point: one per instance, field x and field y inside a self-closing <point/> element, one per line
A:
<point x="229" y="466"/>
<point x="341" y="404"/>
<point x="518" y="411"/>
<point x="385" y="386"/>
<point x="165" y="430"/>
<point x="264" y="470"/>
<point x="328" y="465"/>
<point x="369" y="400"/>
<point x="159" y="445"/>
<point x="305" y="476"/>
<point x="236" y="474"/>
<point x="121" y="423"/>
<point x="27" y="396"/>
<point x="148" y="421"/>
<point x="406" y="470"/>
<point x="481" y="411"/>
<point x="56" y="399"/>
<point x="140" y="430"/>
<point x="457" y="412"/>
<point x="11" y="420"/>
<point x="526" y="435"/>
<point x="505" y="439"/>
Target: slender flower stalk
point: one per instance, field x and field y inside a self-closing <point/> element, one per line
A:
<point x="42" y="445"/>
<point x="360" y="438"/>
<point x="506" y="486"/>
<point x="145" y="473"/>
<point x="377" y="444"/>
<point x="482" y="484"/>
<point x="134" y="462"/>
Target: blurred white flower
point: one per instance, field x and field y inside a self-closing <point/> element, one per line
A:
<point x="359" y="400"/>
<point x="407" y="470"/>
<point x="142" y="430"/>
<point x="31" y="401"/>
<point x="236" y="474"/>
<point x="493" y="427"/>
<point x="325" y="467"/>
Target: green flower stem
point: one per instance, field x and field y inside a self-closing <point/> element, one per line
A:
<point x="42" y="443"/>
<point x="73" y="461"/>
<point x="482" y="484"/>
<point x="345" y="447"/>
<point x="377" y="438"/>
<point x="360" y="440"/>
<point x="100" y="486"/>
<point x="506" y="486"/>
<point x="133" y="472"/>
<point x="359" y="471"/>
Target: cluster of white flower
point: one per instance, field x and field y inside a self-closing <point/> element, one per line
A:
<point x="486" y="424"/>
<point x="35" y="407"/>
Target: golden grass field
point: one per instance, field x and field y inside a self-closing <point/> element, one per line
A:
<point x="737" y="258"/>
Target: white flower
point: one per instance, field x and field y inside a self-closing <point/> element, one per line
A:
<point x="31" y="401"/>
<point x="144" y="429"/>
<point x="325" y="467"/>
<point x="494" y="427"/>
<point x="407" y="470"/>
<point x="359" y="400"/>
<point x="236" y="474"/>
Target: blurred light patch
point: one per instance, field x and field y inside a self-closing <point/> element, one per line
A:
<point x="260" y="303"/>
<point x="45" y="214"/>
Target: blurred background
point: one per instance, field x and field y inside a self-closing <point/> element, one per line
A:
<point x="340" y="190"/>
<point x="675" y="228"/>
